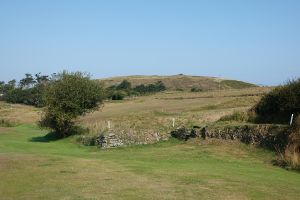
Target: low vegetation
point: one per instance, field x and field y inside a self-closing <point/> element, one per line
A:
<point x="278" y="105"/>
<point x="118" y="92"/>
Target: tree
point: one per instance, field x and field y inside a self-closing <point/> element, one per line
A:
<point x="68" y="97"/>
<point x="11" y="84"/>
<point x="27" y="82"/>
<point x="41" y="79"/>
<point x="2" y="83"/>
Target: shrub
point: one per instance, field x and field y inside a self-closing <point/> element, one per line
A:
<point x="151" y="88"/>
<point x="195" y="89"/>
<point x="69" y="96"/>
<point x="278" y="105"/>
<point x="118" y="95"/>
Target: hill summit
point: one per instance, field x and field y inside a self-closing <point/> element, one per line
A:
<point x="180" y="82"/>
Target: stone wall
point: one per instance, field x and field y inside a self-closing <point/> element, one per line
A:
<point x="264" y="135"/>
<point x="117" y="138"/>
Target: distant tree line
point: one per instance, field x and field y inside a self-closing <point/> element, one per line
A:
<point x="118" y="92"/>
<point x="29" y="90"/>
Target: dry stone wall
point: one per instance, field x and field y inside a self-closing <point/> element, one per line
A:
<point x="264" y="135"/>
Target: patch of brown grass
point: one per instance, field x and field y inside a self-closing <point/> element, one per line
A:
<point x="19" y="114"/>
<point x="292" y="151"/>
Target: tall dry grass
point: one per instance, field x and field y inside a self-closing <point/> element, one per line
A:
<point x="145" y="116"/>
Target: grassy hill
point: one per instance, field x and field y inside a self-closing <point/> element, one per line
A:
<point x="181" y="82"/>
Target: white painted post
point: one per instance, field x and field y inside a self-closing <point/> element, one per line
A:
<point x="291" y="121"/>
<point x="108" y="124"/>
<point x="173" y="122"/>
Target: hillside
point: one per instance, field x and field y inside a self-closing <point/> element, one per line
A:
<point x="181" y="82"/>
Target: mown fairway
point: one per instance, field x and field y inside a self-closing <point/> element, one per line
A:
<point x="34" y="167"/>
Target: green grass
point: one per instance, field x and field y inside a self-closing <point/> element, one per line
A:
<point x="36" y="167"/>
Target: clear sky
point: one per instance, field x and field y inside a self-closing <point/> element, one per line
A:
<point x="251" y="40"/>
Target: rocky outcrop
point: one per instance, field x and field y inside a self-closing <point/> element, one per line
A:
<point x="265" y="135"/>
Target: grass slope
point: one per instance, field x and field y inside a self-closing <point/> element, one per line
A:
<point x="33" y="167"/>
<point x="182" y="82"/>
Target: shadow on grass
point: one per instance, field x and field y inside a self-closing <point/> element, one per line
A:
<point x="52" y="136"/>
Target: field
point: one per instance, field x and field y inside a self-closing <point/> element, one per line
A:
<point x="35" y="166"/>
<point x="140" y="117"/>
<point x="32" y="167"/>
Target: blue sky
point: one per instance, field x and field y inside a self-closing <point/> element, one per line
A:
<point x="256" y="41"/>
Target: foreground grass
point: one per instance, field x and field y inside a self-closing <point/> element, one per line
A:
<point x="32" y="167"/>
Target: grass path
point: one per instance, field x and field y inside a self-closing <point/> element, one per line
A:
<point x="33" y="168"/>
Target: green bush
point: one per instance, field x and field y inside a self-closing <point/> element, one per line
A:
<point x="69" y="96"/>
<point x="195" y="89"/>
<point x="118" y="95"/>
<point x="278" y="105"/>
<point x="151" y="88"/>
<point x="120" y="91"/>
